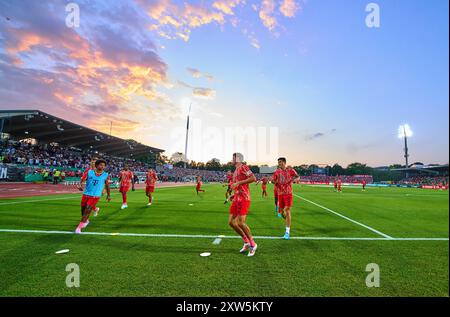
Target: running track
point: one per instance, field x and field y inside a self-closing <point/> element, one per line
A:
<point x="14" y="190"/>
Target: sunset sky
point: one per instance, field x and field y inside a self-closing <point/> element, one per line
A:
<point x="335" y="89"/>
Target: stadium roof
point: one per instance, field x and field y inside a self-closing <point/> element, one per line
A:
<point x="23" y="124"/>
<point x="431" y="169"/>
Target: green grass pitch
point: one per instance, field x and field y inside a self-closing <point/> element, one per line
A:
<point x="329" y="259"/>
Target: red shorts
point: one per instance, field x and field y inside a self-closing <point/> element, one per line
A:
<point x="124" y="189"/>
<point x="275" y="194"/>
<point x="198" y="187"/>
<point x="264" y="187"/>
<point x="89" y="201"/>
<point x="149" y="189"/>
<point x="284" y="201"/>
<point x="239" y="208"/>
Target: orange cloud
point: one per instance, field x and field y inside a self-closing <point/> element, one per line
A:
<point x="226" y="6"/>
<point x="184" y="18"/>
<point x="206" y="93"/>
<point x="266" y="14"/>
<point x="289" y="8"/>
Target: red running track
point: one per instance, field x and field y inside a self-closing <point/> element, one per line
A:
<point x="14" y="190"/>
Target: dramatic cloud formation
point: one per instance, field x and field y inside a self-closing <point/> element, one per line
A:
<point x="175" y="20"/>
<point x="172" y="21"/>
<point x="93" y="69"/>
<point x="109" y="68"/>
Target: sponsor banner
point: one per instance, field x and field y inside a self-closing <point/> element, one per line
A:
<point x="12" y="173"/>
<point x="314" y="183"/>
<point x="434" y="187"/>
<point x="378" y="185"/>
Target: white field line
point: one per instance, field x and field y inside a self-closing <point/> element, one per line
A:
<point x="156" y="235"/>
<point x="78" y="195"/>
<point x="346" y="218"/>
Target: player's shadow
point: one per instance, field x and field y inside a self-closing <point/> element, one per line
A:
<point x="105" y="215"/>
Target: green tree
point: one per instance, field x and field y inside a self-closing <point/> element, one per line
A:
<point x="213" y="165"/>
<point x="254" y="168"/>
<point x="358" y="168"/>
<point x="336" y="169"/>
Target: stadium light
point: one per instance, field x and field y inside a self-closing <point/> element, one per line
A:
<point x="404" y="132"/>
<point x="186" y="102"/>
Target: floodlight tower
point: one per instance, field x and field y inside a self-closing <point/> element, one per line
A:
<point x="187" y="136"/>
<point x="404" y="132"/>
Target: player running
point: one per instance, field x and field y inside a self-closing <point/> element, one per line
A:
<point x="150" y="180"/>
<point x="242" y="176"/>
<point x="364" y="185"/>
<point x="339" y="185"/>
<point x="229" y="192"/>
<point x="92" y="167"/>
<point x="198" y="188"/>
<point x="95" y="180"/>
<point x="283" y="179"/>
<point x="126" y="180"/>
<point x="264" y="180"/>
<point x="335" y="184"/>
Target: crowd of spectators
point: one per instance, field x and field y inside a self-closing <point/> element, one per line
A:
<point x="179" y="174"/>
<point x="424" y="180"/>
<point x="325" y="179"/>
<point x="43" y="158"/>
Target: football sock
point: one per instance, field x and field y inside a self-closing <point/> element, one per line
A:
<point x="252" y="243"/>
<point x="245" y="239"/>
<point x="124" y="198"/>
<point x="288" y="230"/>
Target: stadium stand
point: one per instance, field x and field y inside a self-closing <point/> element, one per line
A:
<point x="421" y="180"/>
<point x="44" y="145"/>
<point x="346" y="179"/>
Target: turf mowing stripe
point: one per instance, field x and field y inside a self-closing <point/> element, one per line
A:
<point x="157" y="235"/>
<point x="346" y="218"/>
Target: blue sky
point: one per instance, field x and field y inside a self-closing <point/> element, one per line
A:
<point x="335" y="89"/>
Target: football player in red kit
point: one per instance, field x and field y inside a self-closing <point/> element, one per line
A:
<point x="198" y="187"/>
<point x="126" y="180"/>
<point x="150" y="180"/>
<point x="283" y="179"/>
<point x="242" y="177"/>
<point x="264" y="180"/>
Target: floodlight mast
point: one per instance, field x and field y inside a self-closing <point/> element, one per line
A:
<point x="187" y="136"/>
<point x="404" y="132"/>
<point x="406" y="146"/>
